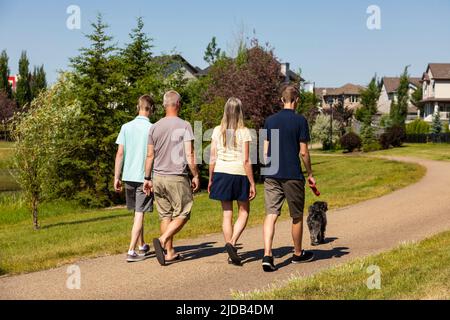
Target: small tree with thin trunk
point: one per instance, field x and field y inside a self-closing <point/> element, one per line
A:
<point x="43" y="137"/>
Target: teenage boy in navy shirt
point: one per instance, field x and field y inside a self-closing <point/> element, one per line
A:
<point x="287" y="181"/>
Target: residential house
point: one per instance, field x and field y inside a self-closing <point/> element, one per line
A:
<point x="436" y="91"/>
<point x="388" y="95"/>
<point x="179" y="63"/>
<point x="348" y="95"/>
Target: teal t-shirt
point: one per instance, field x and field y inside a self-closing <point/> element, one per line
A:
<point x="134" y="137"/>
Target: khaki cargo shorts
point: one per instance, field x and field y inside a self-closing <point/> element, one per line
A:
<point x="173" y="196"/>
<point x="277" y="191"/>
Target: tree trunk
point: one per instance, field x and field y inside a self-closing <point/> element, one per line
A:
<point x="34" y="209"/>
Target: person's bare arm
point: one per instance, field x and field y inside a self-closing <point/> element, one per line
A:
<point x="249" y="170"/>
<point x="190" y="157"/>
<point x="306" y="158"/>
<point x="212" y="163"/>
<point x="118" y="169"/>
<point x="148" y="185"/>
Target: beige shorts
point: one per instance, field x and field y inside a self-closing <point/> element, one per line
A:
<point x="173" y="196"/>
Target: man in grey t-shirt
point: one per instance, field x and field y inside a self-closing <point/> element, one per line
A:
<point x="170" y="153"/>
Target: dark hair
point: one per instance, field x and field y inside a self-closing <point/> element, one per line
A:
<point x="146" y="103"/>
<point x="289" y="93"/>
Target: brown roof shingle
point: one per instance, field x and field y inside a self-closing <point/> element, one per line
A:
<point x="440" y="70"/>
<point x="347" y="89"/>
<point x="392" y="83"/>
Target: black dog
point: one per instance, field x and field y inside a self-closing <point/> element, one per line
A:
<point x="317" y="222"/>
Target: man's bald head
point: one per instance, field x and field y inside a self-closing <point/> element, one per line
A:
<point x="171" y="99"/>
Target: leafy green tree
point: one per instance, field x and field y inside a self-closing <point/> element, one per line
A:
<point x="369" y="102"/>
<point x="212" y="53"/>
<point x="4" y="74"/>
<point x="436" y="126"/>
<point x="43" y="137"/>
<point x="23" y="90"/>
<point x="97" y="80"/>
<point x="416" y="98"/>
<point x="399" y="108"/>
<point x="38" y="81"/>
<point x="307" y="106"/>
<point x="321" y="131"/>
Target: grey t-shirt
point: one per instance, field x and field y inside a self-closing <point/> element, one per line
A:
<point x="168" y="136"/>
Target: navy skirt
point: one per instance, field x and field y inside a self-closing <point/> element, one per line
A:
<point x="229" y="187"/>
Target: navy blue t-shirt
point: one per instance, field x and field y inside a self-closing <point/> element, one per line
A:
<point x="293" y="129"/>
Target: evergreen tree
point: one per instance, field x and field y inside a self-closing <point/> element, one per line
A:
<point x="137" y="54"/>
<point x="399" y="109"/>
<point x="212" y="53"/>
<point x="38" y="81"/>
<point x="436" y="126"/>
<point x="91" y="167"/>
<point x="139" y="68"/>
<point x="23" y="91"/>
<point x="369" y="102"/>
<point x="4" y="74"/>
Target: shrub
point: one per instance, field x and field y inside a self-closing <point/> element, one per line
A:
<point x="418" y="126"/>
<point x="385" y="141"/>
<point x="373" y="146"/>
<point x="397" y="135"/>
<point x="394" y="136"/>
<point x="351" y="141"/>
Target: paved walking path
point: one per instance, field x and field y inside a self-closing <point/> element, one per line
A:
<point x="412" y="213"/>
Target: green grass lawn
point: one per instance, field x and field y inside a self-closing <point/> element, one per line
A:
<point x="432" y="151"/>
<point x="412" y="271"/>
<point x="69" y="233"/>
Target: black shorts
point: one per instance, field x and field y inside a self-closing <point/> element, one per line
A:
<point x="276" y="191"/>
<point x="137" y="200"/>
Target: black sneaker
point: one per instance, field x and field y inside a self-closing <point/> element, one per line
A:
<point x="134" y="257"/>
<point x="233" y="255"/>
<point x="306" y="256"/>
<point x="268" y="265"/>
<point x="145" y="251"/>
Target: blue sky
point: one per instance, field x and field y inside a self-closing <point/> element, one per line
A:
<point x="328" y="40"/>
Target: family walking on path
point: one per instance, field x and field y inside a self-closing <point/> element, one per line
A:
<point x="154" y="161"/>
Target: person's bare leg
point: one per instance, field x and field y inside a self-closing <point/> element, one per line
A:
<point x="141" y="240"/>
<point x="269" y="232"/>
<point x="136" y="230"/>
<point x="297" y="235"/>
<point x="227" y="224"/>
<point x="172" y="228"/>
<point x="241" y="222"/>
<point x="169" y="242"/>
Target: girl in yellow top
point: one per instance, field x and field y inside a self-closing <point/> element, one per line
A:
<point x="230" y="173"/>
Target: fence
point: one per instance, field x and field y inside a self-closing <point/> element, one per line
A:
<point x="5" y="135"/>
<point x="425" y="138"/>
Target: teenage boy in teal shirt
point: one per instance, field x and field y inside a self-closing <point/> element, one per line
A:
<point x="130" y="162"/>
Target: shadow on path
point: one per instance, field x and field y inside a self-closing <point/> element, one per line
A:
<point x="199" y="251"/>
